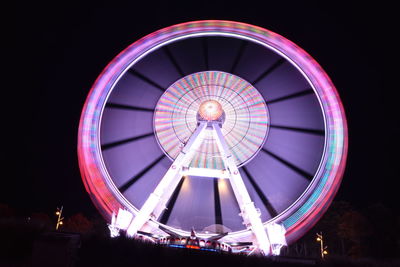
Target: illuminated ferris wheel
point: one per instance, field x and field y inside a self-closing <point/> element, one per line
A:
<point x="217" y="126"/>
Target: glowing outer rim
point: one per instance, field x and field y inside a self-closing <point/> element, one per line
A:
<point x="299" y="217"/>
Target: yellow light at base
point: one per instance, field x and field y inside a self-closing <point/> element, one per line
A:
<point x="222" y="186"/>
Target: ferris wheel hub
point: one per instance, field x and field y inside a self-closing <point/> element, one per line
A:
<point x="210" y="110"/>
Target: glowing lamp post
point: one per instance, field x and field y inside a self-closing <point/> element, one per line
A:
<point x="59" y="218"/>
<point x="320" y="239"/>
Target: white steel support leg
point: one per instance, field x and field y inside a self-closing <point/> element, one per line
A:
<point x="155" y="204"/>
<point x="251" y="216"/>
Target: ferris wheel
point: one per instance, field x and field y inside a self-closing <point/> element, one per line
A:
<point x="217" y="126"/>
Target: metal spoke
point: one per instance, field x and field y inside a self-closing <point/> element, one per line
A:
<point x="171" y="203"/>
<point x="217" y="204"/>
<point x="303" y="130"/>
<point x="238" y="56"/>
<point x="269" y="70"/>
<point x="298" y="94"/>
<point x="205" y="52"/>
<point x="121" y="142"/>
<point x="264" y="199"/>
<point x="173" y="61"/>
<point x="120" y="106"/>
<point x="146" y="79"/>
<point x="291" y="166"/>
<point x="135" y="178"/>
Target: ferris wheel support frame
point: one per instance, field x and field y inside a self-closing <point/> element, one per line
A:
<point x="156" y="202"/>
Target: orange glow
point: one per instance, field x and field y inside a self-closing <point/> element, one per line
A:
<point x="192" y="247"/>
<point x="210" y="110"/>
<point x="222" y="186"/>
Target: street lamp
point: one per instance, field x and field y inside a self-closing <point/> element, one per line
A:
<point x="59" y="218"/>
<point x="324" y="250"/>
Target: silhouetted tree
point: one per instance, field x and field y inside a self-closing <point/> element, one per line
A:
<point x="382" y="239"/>
<point x="354" y="228"/>
<point x="397" y="231"/>
<point x="6" y="211"/>
<point x="100" y="227"/>
<point x="78" y="223"/>
<point x="329" y="226"/>
<point x="42" y="220"/>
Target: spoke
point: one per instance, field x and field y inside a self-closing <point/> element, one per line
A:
<point x="298" y="94"/>
<point x="171" y="203"/>
<point x="121" y="142"/>
<point x="135" y="178"/>
<point x="264" y="199"/>
<point x="146" y="79"/>
<point x="269" y="70"/>
<point x="238" y="56"/>
<point x="173" y="61"/>
<point x="303" y="173"/>
<point x="119" y="106"/>
<point x="217" y="203"/>
<point x="303" y="130"/>
<point x="205" y="52"/>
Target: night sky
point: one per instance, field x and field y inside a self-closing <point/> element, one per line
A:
<point x="58" y="51"/>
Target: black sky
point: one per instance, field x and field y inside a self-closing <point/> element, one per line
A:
<point x="57" y="51"/>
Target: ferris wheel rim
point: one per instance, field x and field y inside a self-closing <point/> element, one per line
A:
<point x="213" y="27"/>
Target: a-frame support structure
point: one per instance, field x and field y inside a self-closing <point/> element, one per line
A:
<point x="156" y="202"/>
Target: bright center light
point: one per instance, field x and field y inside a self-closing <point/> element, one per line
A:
<point x="210" y="110"/>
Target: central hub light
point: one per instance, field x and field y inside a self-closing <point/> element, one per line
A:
<point x="212" y="96"/>
<point x="210" y="110"/>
